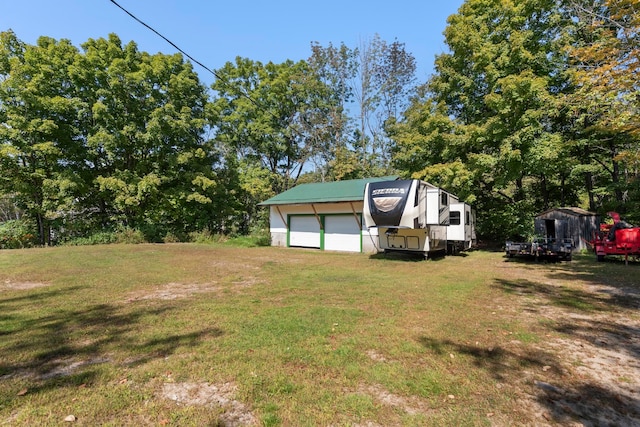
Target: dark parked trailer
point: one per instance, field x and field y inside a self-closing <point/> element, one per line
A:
<point x="541" y="248"/>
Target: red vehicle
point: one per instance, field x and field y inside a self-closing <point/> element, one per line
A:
<point x="619" y="238"/>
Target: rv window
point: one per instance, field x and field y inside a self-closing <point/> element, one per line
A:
<point x="444" y="201"/>
<point x="467" y="219"/>
<point x="454" y="218"/>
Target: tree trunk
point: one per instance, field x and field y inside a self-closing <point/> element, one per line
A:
<point x="588" y="184"/>
<point x="545" y="192"/>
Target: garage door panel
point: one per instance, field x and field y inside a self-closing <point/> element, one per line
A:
<point x="304" y="231"/>
<point x="342" y="233"/>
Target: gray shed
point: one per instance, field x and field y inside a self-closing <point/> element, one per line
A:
<point x="568" y="223"/>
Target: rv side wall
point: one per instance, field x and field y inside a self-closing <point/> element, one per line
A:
<point x="433" y="206"/>
<point x="438" y="202"/>
<point x="462" y="225"/>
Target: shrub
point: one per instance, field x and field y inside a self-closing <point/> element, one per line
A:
<point x="171" y="238"/>
<point x="130" y="236"/>
<point x="100" y="238"/>
<point x="16" y="234"/>
<point x="252" y="240"/>
<point x="124" y="235"/>
<point x="262" y="238"/>
<point x="205" y="236"/>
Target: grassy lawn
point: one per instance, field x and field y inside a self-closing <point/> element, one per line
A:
<point x="185" y="334"/>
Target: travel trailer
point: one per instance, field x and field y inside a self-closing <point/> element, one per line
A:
<point x="417" y="217"/>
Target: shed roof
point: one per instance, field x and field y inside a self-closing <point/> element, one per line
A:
<point x="325" y="192"/>
<point x="570" y="211"/>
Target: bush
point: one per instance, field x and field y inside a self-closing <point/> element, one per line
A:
<point x="101" y="238"/>
<point x="252" y="240"/>
<point x="130" y="236"/>
<point x="171" y="238"/>
<point x="124" y="235"/>
<point x="17" y="234"/>
<point x="263" y="238"/>
<point x="205" y="236"/>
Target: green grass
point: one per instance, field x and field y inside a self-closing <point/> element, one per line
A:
<point x="305" y="337"/>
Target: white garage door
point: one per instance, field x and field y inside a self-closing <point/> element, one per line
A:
<point x="341" y="233"/>
<point x="304" y="231"/>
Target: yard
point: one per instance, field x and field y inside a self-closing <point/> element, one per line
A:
<point x="185" y="334"/>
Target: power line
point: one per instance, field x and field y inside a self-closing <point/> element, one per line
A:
<point x="167" y="40"/>
<point x="220" y="78"/>
<point x="216" y="75"/>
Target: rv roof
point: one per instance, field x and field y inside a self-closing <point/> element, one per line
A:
<point x="325" y="192"/>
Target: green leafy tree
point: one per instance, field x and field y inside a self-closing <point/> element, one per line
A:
<point x="145" y="161"/>
<point x="276" y="115"/>
<point x="486" y="124"/>
<point x="38" y="111"/>
<point x="605" y="106"/>
<point x="106" y="137"/>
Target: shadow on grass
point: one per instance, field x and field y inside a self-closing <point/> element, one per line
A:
<point x="590" y="404"/>
<point x="43" y="294"/>
<point x="600" y="332"/>
<point x="53" y="346"/>
<point x="407" y="256"/>
<point x="498" y="362"/>
<point x="606" y="335"/>
<point x="592" y="314"/>
<point x="567" y="401"/>
<point x="611" y="273"/>
<point x="556" y="295"/>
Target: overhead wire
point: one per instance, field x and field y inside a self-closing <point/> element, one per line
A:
<point x="166" y="39"/>
<point x="216" y="75"/>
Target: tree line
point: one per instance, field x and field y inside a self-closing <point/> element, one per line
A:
<point x="534" y="106"/>
<point x="107" y="137"/>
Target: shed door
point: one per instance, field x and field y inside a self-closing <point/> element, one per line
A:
<point x="341" y="233"/>
<point x="304" y="231"/>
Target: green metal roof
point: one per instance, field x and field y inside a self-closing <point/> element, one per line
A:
<point x="324" y="192"/>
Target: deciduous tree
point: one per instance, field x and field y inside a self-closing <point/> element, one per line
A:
<point x="280" y="115"/>
<point x="605" y="107"/>
<point x="146" y="161"/>
<point x="373" y="82"/>
<point x="38" y="125"/>
<point x="485" y="125"/>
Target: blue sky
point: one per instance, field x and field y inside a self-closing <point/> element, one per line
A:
<point x="215" y="32"/>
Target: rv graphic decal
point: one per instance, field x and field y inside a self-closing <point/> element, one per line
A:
<point x="386" y="204"/>
<point x="381" y="191"/>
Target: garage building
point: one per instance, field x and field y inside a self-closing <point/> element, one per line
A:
<point x="325" y="216"/>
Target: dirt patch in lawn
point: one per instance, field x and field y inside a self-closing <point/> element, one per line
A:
<point x="21" y="286"/>
<point x="412" y="405"/>
<point x="221" y="396"/>
<point x="171" y="291"/>
<point x="590" y="330"/>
